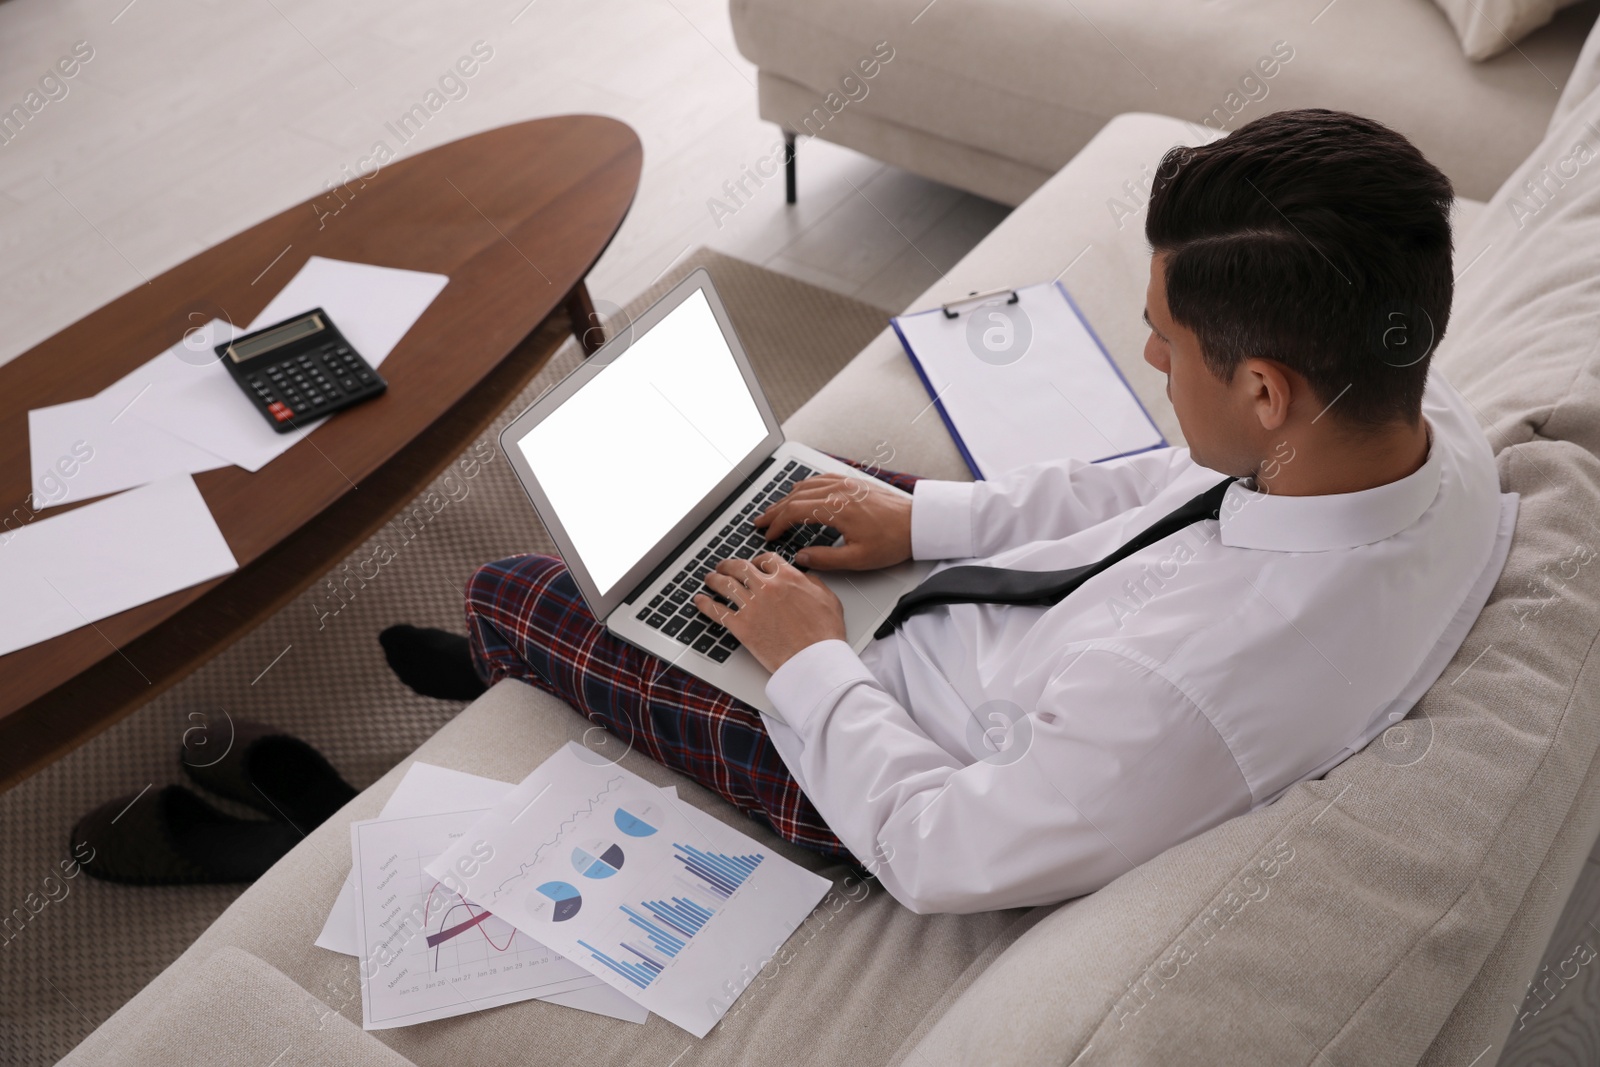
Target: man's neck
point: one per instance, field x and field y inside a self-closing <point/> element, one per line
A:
<point x="1338" y="461"/>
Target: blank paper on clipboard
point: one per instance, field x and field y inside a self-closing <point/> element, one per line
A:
<point x="1024" y="380"/>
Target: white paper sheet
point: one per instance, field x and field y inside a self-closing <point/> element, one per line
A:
<point x="427" y="789"/>
<point x="427" y="950"/>
<point x="87" y="448"/>
<point x="670" y="906"/>
<point x="1024" y="383"/>
<point x="69" y="570"/>
<point x="372" y="306"/>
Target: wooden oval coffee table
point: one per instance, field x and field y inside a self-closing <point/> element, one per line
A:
<point x="516" y="217"/>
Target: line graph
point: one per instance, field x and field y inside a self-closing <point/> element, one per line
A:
<point x="476" y="918"/>
<point x="464" y="942"/>
<point x="570" y="821"/>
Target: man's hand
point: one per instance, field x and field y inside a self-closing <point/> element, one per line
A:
<point x="777" y="611"/>
<point x="874" y="519"/>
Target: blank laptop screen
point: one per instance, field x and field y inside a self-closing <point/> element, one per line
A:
<point x="628" y="455"/>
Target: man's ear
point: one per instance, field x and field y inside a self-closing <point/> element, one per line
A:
<point x="1270" y="390"/>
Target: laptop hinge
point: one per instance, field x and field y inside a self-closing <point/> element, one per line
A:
<point x="737" y="491"/>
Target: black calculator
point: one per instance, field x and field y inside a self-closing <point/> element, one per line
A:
<point x="300" y="370"/>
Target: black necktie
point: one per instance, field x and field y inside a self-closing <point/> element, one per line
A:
<point x="1002" y="585"/>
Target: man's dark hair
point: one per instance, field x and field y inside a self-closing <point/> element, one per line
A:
<point x="1318" y="239"/>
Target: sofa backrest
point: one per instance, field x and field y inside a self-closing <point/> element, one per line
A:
<point x="1350" y="918"/>
<point x="1583" y="80"/>
<point x="1524" y="338"/>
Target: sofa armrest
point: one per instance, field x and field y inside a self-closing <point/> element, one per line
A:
<point x="233" y="1008"/>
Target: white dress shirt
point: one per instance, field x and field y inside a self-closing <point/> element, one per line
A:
<point x="989" y="756"/>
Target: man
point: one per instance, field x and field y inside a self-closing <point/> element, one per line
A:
<point x="1128" y="653"/>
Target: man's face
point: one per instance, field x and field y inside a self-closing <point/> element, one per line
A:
<point x="1215" y="422"/>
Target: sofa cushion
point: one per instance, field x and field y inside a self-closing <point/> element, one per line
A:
<point x="1033" y="80"/>
<point x="229" y="1009"/>
<point x="1343" y="923"/>
<point x="1522" y="344"/>
<point x="1486" y="29"/>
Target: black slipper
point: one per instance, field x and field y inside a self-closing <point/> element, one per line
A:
<point x="172" y="837"/>
<point x="432" y="663"/>
<point x="274" y="773"/>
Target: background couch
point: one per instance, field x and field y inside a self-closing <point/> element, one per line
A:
<point x="995" y="96"/>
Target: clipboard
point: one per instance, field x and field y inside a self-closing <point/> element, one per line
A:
<point x="1019" y="376"/>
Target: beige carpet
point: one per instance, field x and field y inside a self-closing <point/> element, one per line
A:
<point x="77" y="949"/>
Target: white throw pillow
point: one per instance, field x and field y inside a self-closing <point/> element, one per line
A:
<point x="1489" y="27"/>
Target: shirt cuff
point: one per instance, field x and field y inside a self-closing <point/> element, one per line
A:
<point x="811" y="677"/>
<point x="941" y="520"/>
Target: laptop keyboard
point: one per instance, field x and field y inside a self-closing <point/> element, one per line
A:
<point x="672" y="611"/>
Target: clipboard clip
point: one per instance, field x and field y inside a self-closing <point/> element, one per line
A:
<point x="973" y="298"/>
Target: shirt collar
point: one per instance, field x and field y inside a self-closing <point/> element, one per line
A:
<point x="1271" y="521"/>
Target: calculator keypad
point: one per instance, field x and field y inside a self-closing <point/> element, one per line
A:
<point x="309" y="384"/>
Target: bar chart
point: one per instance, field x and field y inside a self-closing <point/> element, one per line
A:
<point x="705" y="880"/>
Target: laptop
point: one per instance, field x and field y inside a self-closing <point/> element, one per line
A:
<point x="648" y="463"/>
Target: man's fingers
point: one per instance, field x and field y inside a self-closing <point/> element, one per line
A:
<point x="822" y="513"/>
<point x="752" y="571"/>
<point x="728" y="587"/>
<point x="814" y="490"/>
<point x="843" y="557"/>
<point x="717" y="613"/>
<point x="794" y="509"/>
<point x="815" y="480"/>
<point x="768" y="564"/>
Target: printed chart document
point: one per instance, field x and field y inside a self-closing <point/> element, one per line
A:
<point x="677" y="910"/>
<point x="427" y="789"/>
<point x="427" y="950"/>
<point x="372" y="306"/>
<point x="1025" y="382"/>
<point x="70" y="570"/>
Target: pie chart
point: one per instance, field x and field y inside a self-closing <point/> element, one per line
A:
<point x="609" y="862"/>
<point x="633" y="823"/>
<point x="566" y="897"/>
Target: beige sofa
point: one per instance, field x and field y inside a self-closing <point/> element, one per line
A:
<point x="1389" y="914"/>
<point x="995" y="96"/>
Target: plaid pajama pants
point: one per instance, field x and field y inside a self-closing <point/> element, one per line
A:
<point x="527" y="620"/>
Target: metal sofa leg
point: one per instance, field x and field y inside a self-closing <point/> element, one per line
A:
<point x="788" y="166"/>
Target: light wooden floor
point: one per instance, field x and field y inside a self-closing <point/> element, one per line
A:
<point x="198" y="118"/>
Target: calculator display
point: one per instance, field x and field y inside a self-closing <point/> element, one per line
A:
<point x="268" y="340"/>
